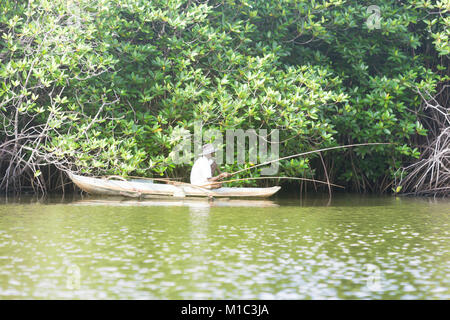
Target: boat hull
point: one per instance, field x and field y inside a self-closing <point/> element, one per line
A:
<point x="148" y="189"/>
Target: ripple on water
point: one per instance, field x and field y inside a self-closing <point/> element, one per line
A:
<point x="285" y="252"/>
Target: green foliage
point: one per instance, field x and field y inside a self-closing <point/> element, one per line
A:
<point x="109" y="83"/>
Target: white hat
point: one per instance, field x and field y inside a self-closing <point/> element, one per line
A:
<point x="207" y="149"/>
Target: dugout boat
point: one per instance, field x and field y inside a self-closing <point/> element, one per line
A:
<point x="147" y="188"/>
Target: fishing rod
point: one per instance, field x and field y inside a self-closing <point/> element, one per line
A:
<point x="289" y="178"/>
<point x="309" y="152"/>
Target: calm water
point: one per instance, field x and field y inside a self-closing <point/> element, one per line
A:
<point x="352" y="248"/>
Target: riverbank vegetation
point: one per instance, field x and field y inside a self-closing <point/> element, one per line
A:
<point x="111" y="86"/>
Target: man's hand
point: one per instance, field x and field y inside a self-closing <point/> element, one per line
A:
<point x="224" y="175"/>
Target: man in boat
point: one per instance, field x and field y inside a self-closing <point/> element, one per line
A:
<point x="204" y="168"/>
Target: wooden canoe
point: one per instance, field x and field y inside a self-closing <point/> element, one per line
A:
<point x="148" y="189"/>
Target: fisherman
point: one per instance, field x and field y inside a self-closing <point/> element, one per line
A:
<point x="204" y="168"/>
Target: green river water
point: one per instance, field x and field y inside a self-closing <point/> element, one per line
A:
<point x="354" y="247"/>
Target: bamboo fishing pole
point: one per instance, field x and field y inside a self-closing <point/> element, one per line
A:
<point x="168" y="181"/>
<point x="309" y="152"/>
<point x="289" y="178"/>
<point x="146" y="178"/>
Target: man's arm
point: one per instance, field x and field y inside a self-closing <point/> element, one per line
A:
<point x="214" y="167"/>
<point x="216" y="178"/>
<point x="220" y="176"/>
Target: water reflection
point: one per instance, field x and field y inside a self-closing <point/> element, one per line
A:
<point x="194" y="203"/>
<point x="199" y="216"/>
<point x="225" y="250"/>
<point x="198" y="242"/>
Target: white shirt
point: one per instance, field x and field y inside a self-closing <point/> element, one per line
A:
<point x="201" y="171"/>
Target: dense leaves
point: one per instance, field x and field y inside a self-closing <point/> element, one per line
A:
<point x="109" y="86"/>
